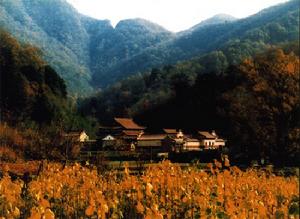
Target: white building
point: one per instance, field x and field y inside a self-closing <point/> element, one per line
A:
<point x="210" y="140"/>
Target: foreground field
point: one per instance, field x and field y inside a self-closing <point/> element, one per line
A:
<point x="164" y="190"/>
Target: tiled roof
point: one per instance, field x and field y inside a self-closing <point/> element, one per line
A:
<point x="206" y="135"/>
<point x="128" y="123"/>
<point x="170" y="131"/>
<point x="152" y="137"/>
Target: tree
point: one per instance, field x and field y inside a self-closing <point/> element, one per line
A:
<point x="181" y="84"/>
<point x="215" y="62"/>
<point x="262" y="106"/>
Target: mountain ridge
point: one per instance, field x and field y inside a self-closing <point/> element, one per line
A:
<point x="262" y="27"/>
<point x="90" y="53"/>
<point x="216" y="19"/>
<point x="67" y="38"/>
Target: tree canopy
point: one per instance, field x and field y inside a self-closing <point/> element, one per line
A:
<point x="262" y="108"/>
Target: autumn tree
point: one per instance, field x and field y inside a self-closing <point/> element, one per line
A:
<point x="263" y="106"/>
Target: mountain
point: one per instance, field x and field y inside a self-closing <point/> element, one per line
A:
<point x="90" y="53"/>
<point x="116" y="45"/>
<point x="75" y="45"/>
<point x="216" y="19"/>
<point x="273" y="25"/>
<point x="54" y="27"/>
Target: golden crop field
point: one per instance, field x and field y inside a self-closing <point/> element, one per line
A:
<point x="163" y="191"/>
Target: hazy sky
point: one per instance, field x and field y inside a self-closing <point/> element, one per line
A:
<point x="175" y="15"/>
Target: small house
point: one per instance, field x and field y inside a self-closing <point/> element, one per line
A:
<point x="124" y="131"/>
<point x="207" y="140"/>
<point x="210" y="140"/>
<point x="174" y="142"/>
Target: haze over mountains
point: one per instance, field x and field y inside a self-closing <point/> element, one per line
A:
<point x="90" y="53"/>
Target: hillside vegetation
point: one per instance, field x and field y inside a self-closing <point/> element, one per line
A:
<point x="29" y="87"/>
<point x="34" y="104"/>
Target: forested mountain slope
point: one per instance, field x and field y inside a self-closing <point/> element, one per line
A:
<point x="239" y="39"/>
<point x="75" y="45"/>
<point x="51" y="26"/>
<point x="30" y="88"/>
<point x="32" y="94"/>
<point x="90" y="53"/>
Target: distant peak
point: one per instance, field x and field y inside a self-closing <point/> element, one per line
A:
<point x="135" y="20"/>
<point x="140" y="23"/>
<point x="216" y="19"/>
<point x="223" y="16"/>
<point x="132" y="21"/>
